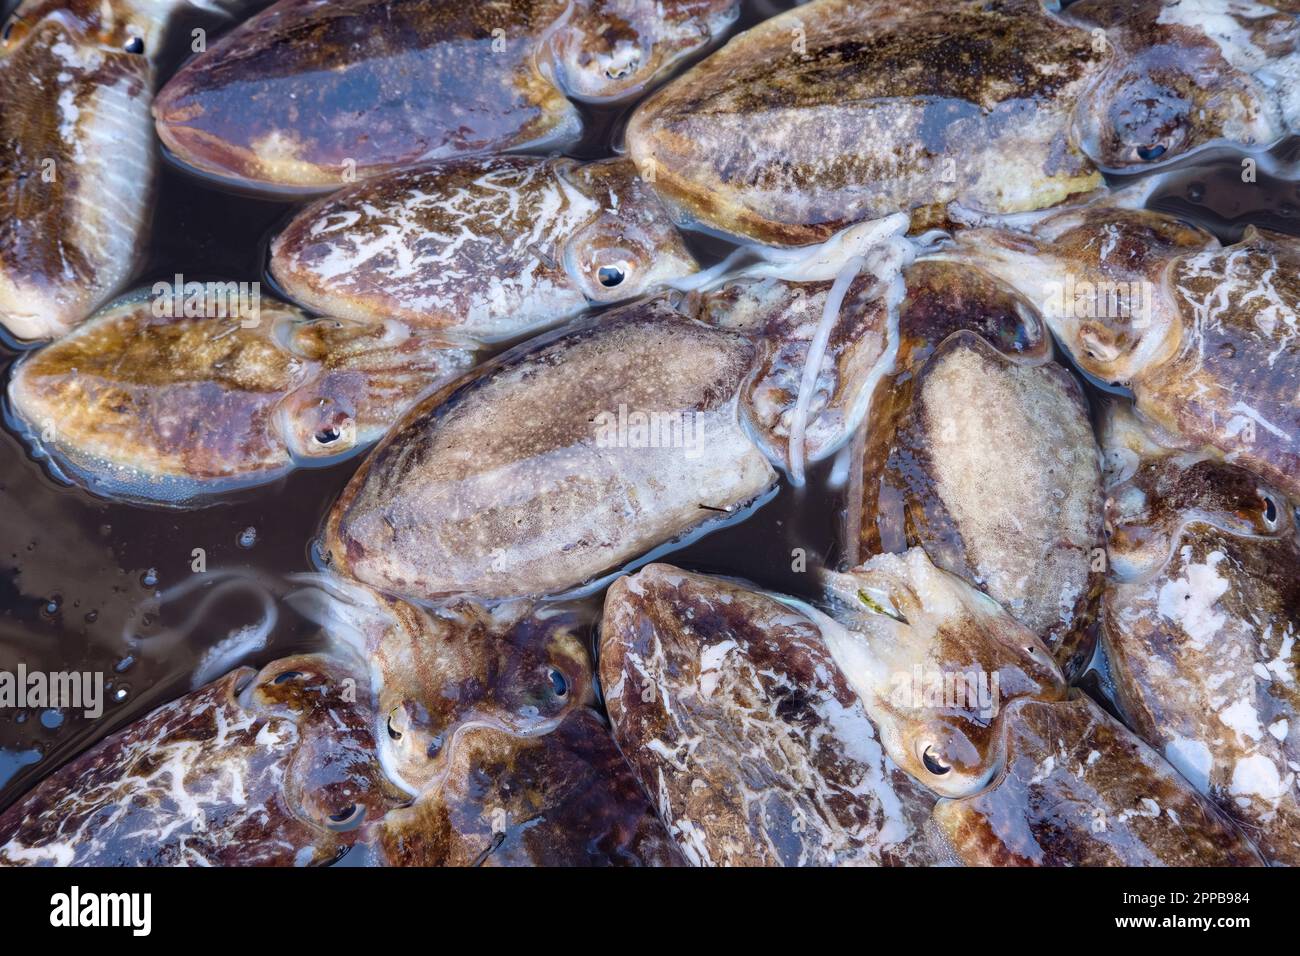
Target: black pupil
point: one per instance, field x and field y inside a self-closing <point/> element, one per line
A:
<point x="610" y="276"/>
<point x="1149" y="153"/>
<point x="135" y="45"/>
<point x="1270" y="510"/>
<point x="345" y="814"/>
<point x="395" y="734"/>
<point x="933" y="765"/>
<point x="558" y="683"/>
<point x="327" y="436"/>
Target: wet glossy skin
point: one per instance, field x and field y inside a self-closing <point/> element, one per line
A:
<point x="898" y="622"/>
<point x="276" y="768"/>
<point x="1079" y="789"/>
<point x="173" y="410"/>
<point x="839" y="110"/>
<point x="979" y="449"/>
<point x="1201" y="616"/>
<point x="732" y="713"/>
<point x="485" y="249"/>
<point x="76" y="160"/>
<point x="520" y="481"/>
<point x="454" y="735"/>
<point x="307" y="94"/>
<point x="1214" y="361"/>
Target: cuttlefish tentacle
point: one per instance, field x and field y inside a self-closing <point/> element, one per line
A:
<point x="1201" y="616"/>
<point x="174" y="409"/>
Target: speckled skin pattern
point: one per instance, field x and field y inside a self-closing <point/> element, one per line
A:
<point x="502" y="486"/>
<point x="735" y="719"/>
<point x="76" y="157"/>
<point x="979" y="449"/>
<point x="1079" y="789"/>
<point x="172" y="409"/>
<point x="308" y="92"/>
<point x="484" y="249"/>
<point x="841" y="110"/>
<point x="1215" y="363"/>
<point x="1201" y="615"/>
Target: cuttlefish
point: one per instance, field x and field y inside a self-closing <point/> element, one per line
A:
<point x="738" y="723"/>
<point x="842" y="110"/>
<point x="310" y="95"/>
<point x="1201" y="617"/>
<point x="1207" y="338"/>
<point x="175" y="409"/>
<point x="77" y="159"/>
<point x="970" y="702"/>
<point x="580" y="450"/>
<point x="450" y="735"/>
<point x="487" y="249"/>
<point x="979" y="449"/>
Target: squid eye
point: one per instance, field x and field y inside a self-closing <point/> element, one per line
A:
<point x="611" y="276"/>
<point x="1152" y="152"/>
<point x="933" y="763"/>
<point x="559" y="684"/>
<point x="134" y="45"/>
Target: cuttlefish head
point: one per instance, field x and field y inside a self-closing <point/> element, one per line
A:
<point x="612" y="50"/>
<point x="1187" y="75"/>
<point x="1098" y="275"/>
<point x="631" y="245"/>
<point x="935" y="661"/>
<point x="439" y="671"/>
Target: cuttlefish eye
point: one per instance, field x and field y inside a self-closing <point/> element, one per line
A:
<point x="319" y="427"/>
<point x="134" y="45"/>
<point x="559" y="683"/>
<point x="933" y="763"/>
<point x="1270" y="511"/>
<point x="1148" y="123"/>
<point x="607" y="260"/>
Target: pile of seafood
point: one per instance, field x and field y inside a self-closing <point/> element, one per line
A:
<point x="1067" y="426"/>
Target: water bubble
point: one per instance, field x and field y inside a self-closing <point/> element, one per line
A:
<point x="121" y="693"/>
<point x="124" y="664"/>
<point x="150" y="578"/>
<point x="92" y="616"/>
<point x="247" y="538"/>
<point x="52" y="605"/>
<point x="1196" y="192"/>
<point x="52" y="719"/>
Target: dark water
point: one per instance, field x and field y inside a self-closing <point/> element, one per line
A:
<point x="93" y="585"/>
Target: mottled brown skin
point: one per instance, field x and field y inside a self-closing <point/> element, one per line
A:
<point x="500" y="486"/>
<point x="276" y="768"/>
<point x="1079" y="789"/>
<point x="173" y="409"/>
<point x="1171" y="89"/>
<point x="80" y="132"/>
<point x="307" y="94"/>
<point x="563" y="799"/>
<point x="488" y="248"/>
<point x="927" y="457"/>
<point x="884" y="106"/>
<point x="1214" y="687"/>
<point x="735" y="718"/>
